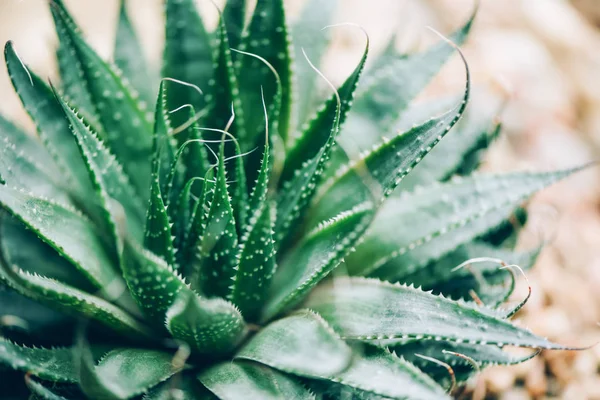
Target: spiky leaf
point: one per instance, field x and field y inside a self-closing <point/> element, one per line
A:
<point x="301" y="344"/>
<point x="267" y="37"/>
<point x="130" y="58"/>
<point x="51" y="364"/>
<point x="116" y="105"/>
<point x="256" y="263"/>
<point x="308" y="35"/>
<point x="187" y="56"/>
<point x="368" y="309"/>
<point x="442" y="217"/>
<point x="219" y="240"/>
<point x="238" y="379"/>
<point x="46" y="112"/>
<point x="210" y="326"/>
<point x="315" y="257"/>
<point x="58" y="225"/>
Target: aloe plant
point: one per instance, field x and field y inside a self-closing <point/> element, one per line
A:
<point x="242" y="241"/>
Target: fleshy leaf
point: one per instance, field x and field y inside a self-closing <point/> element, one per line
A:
<point x="72" y="77"/>
<point x="440" y="277"/>
<point x="267" y="37"/>
<point x="116" y="104"/>
<point x="219" y="241"/>
<point x="53" y="128"/>
<point x="55" y="365"/>
<point x="368" y="309"/>
<point x="243" y="380"/>
<point x="482" y="354"/>
<point x="152" y="282"/>
<point x="120" y="203"/>
<point x="256" y="265"/>
<point x="181" y="387"/>
<point x="187" y="56"/>
<point x="307" y="35"/>
<point x="21" y="168"/>
<point x="40" y="391"/>
<point x="374" y="176"/>
<point x="164" y="147"/>
<point x="73" y="301"/>
<point x="72" y="235"/>
<point x="459" y="151"/>
<point x="306" y="161"/>
<point x="21" y="246"/>
<point x="125" y="373"/>
<point x="301" y="344"/>
<point x="210" y="326"/>
<point x="129" y="57"/>
<point x="388" y="89"/>
<point x="28" y="144"/>
<point x="319" y="252"/>
<point x="234" y="15"/>
<point x="158" y="237"/>
<point x="324" y="126"/>
<point x="197" y="225"/>
<point x="376" y="372"/>
<point x="224" y="92"/>
<point x="441" y="217"/>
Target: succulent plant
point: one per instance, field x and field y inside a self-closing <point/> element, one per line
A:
<point x="243" y="241"/>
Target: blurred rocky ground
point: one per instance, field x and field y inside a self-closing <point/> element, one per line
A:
<point x="542" y="56"/>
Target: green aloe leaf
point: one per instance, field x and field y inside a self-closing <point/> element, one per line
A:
<point x="441" y="217"/>
<point x="73" y="81"/>
<point x="234" y="15"/>
<point x="307" y="35"/>
<point x="121" y="206"/>
<point x="165" y="147"/>
<point x="324" y="126"/>
<point x="224" y="91"/>
<point x="55" y="365"/>
<point x="368" y="309"/>
<point x="210" y="326"/>
<point x="28" y="144"/>
<point x="375" y="175"/>
<point x="459" y="151"/>
<point x="22" y="171"/>
<point x="301" y="344"/>
<point x="58" y="225"/>
<point x="116" y="104"/>
<point x="266" y="37"/>
<point x="124" y="373"/>
<point x="153" y="283"/>
<point x="158" y="237"/>
<point x="446" y="352"/>
<point x="40" y="391"/>
<point x="187" y="56"/>
<point x="194" y="155"/>
<point x="181" y="387"/>
<point x="238" y="379"/>
<point x="197" y="225"/>
<point x="376" y="372"/>
<point x="256" y="265"/>
<point x="390" y="87"/>
<point x="21" y="246"/>
<point x="440" y="277"/>
<point x="28" y="314"/>
<point x="129" y="56"/>
<point x="41" y="104"/>
<point x="308" y="157"/>
<point x="319" y="252"/>
<point x="73" y="301"/>
<point x="219" y="241"/>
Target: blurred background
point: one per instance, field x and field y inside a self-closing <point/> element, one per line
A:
<point x="541" y="56"/>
